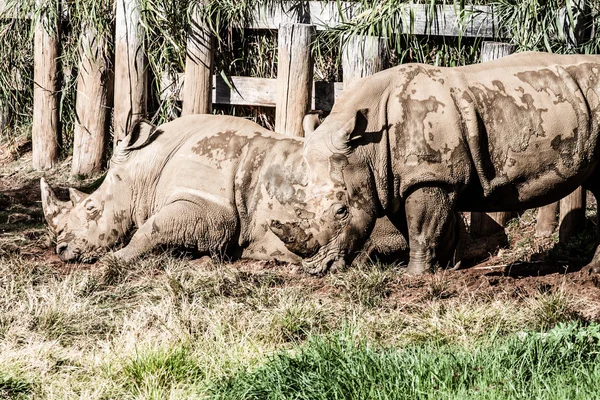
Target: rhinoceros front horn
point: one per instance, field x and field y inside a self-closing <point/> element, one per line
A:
<point x="296" y="239"/>
<point x="51" y="205"/>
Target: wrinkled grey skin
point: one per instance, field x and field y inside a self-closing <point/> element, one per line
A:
<point x="210" y="183"/>
<point x="418" y="143"/>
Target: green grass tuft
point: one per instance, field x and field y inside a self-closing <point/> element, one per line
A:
<point x="561" y="364"/>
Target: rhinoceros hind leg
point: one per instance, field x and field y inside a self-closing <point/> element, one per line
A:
<point x="432" y="233"/>
<point x="207" y="226"/>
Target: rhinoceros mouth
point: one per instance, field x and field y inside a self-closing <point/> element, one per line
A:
<point x="324" y="264"/>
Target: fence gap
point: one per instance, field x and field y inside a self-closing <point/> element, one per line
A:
<point x="46" y="130"/>
<point x="294" y="77"/>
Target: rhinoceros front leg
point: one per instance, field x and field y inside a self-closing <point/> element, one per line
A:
<point x="207" y="226"/>
<point x="431" y="229"/>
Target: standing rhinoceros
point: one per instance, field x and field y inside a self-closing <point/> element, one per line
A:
<point x="419" y="143"/>
<point x="205" y="182"/>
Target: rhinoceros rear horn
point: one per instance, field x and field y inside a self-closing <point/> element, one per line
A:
<point x="52" y="207"/>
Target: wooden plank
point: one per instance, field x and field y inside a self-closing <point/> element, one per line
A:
<point x="294" y="77"/>
<point x="440" y="20"/>
<point x="248" y="91"/>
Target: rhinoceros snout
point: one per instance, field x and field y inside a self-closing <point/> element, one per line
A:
<point x="65" y="253"/>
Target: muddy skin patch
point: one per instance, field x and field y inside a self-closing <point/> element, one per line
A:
<point x="501" y="113"/>
<point x="222" y="146"/>
<point x="411" y="134"/>
<point x="119" y="217"/>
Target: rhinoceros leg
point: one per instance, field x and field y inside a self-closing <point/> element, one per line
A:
<point x="432" y="229"/>
<point x="594" y="266"/>
<point x="204" y="225"/>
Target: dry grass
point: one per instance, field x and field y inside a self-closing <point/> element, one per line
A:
<point x="166" y="327"/>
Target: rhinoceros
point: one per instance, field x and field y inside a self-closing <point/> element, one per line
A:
<point x="204" y="182"/>
<point x="418" y="143"/>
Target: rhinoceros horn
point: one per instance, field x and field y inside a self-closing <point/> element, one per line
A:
<point x="295" y="238"/>
<point x="51" y="205"/>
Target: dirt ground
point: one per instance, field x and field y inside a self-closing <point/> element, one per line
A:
<point x="514" y="264"/>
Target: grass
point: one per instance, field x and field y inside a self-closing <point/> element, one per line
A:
<point x="560" y="364"/>
<point x="168" y="327"/>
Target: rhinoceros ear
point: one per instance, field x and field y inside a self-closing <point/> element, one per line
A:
<point x="354" y="128"/>
<point x="142" y="133"/>
<point x="52" y="207"/>
<point x="76" y="196"/>
<point x="310" y="123"/>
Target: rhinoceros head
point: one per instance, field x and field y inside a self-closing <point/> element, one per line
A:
<point x="85" y="225"/>
<point x="338" y="214"/>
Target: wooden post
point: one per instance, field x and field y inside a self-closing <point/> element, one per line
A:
<point x="198" y="83"/>
<point x="294" y="77"/>
<point x="46" y="131"/>
<point x="495" y="50"/>
<point x="363" y="56"/>
<point x="572" y="215"/>
<point x="130" y="68"/>
<point x="487" y="223"/>
<point x="91" y="106"/>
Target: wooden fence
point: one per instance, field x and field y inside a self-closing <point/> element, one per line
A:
<point x="293" y="93"/>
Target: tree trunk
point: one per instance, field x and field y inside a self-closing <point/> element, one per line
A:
<point x="198" y="83"/>
<point x="46" y="131"/>
<point x="91" y="107"/>
<point x="130" y="68"/>
<point x="294" y="77"/>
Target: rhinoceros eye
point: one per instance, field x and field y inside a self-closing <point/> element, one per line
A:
<point x="341" y="212"/>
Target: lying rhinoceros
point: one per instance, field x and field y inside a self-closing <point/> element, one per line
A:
<point x="204" y="182"/>
<point x="419" y="143"/>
